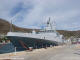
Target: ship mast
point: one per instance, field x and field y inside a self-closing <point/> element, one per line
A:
<point x="50" y="25"/>
<point x="11" y="27"/>
<point x="13" y="18"/>
<point x="54" y="25"/>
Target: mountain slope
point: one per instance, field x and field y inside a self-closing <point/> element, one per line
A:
<point x="5" y="27"/>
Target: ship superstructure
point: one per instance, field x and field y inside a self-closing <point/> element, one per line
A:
<point x="48" y="33"/>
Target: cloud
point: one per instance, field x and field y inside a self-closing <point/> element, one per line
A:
<point x="6" y="7"/>
<point x="30" y="13"/>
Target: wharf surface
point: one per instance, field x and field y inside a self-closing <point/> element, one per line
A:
<point x="65" y="52"/>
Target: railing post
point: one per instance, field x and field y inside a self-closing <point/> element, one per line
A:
<point x="15" y="50"/>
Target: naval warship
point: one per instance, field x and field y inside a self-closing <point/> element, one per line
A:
<point x="46" y="37"/>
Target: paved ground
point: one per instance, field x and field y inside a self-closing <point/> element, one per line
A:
<point x="56" y="53"/>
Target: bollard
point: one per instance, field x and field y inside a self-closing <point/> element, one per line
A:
<point x="51" y="46"/>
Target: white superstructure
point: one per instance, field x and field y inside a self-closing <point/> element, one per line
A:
<point x="48" y="33"/>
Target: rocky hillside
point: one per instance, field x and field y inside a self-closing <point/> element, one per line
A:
<point x="68" y="34"/>
<point x="5" y="27"/>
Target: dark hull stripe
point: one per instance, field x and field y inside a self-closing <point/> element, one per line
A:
<point x="23" y="43"/>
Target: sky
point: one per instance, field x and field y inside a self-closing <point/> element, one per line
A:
<point x="35" y="13"/>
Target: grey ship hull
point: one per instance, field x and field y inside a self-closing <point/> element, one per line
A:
<point x="30" y="42"/>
